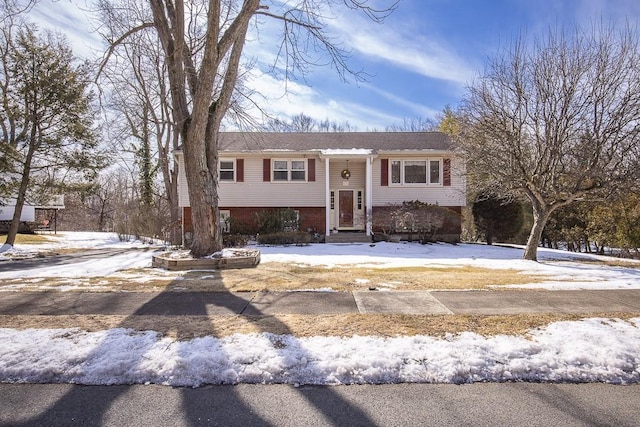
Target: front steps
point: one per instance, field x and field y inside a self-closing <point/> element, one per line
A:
<point x="347" y="237"/>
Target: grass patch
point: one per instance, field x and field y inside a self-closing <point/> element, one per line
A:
<point x="285" y="277"/>
<point x="347" y="325"/>
<point x="272" y="277"/>
<point x="28" y="239"/>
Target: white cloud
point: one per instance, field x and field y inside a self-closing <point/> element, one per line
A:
<point x="284" y="100"/>
<point x="72" y="19"/>
<point x="404" y="46"/>
<point x="420" y="110"/>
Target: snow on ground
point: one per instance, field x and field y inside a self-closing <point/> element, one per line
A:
<point x="560" y="266"/>
<point x="603" y="350"/>
<point x="70" y="240"/>
<point x="97" y="267"/>
<point x="591" y="350"/>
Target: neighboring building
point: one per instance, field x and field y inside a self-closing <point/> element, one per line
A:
<point x="8" y="207"/>
<point x="333" y="179"/>
<point x="33" y="216"/>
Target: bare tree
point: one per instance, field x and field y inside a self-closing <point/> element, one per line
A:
<point x="414" y="124"/>
<point x="303" y="123"/>
<point x="555" y="121"/>
<point x="143" y="123"/>
<point x="203" y="45"/>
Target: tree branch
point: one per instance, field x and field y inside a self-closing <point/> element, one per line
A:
<point x="114" y="44"/>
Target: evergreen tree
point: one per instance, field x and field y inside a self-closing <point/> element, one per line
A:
<point x="497" y="218"/>
<point x="46" y="113"/>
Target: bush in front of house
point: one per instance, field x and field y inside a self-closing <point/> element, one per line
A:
<point x="270" y="221"/>
<point x="412" y="220"/>
<point x="234" y="240"/>
<point x="299" y="238"/>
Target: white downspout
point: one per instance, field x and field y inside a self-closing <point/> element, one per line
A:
<point x="327" y="199"/>
<point x="367" y="194"/>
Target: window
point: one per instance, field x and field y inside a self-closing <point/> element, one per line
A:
<point x="297" y="170"/>
<point x="416" y="172"/>
<point x="395" y="172"/>
<point x="290" y="170"/>
<point x="359" y="200"/>
<point x="291" y="220"/>
<point x="225" y="221"/>
<point x="280" y="170"/>
<point x="434" y="172"/>
<point x="226" y="170"/>
<point x="333" y="200"/>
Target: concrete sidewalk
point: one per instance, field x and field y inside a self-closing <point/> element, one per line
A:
<point x="364" y="302"/>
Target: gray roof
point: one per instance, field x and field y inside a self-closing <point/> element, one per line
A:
<point x="312" y="141"/>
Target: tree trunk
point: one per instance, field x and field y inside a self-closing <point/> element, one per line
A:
<point x="15" y="222"/>
<point x="22" y="191"/>
<point x="489" y="235"/>
<point x="203" y="197"/>
<point x="541" y="214"/>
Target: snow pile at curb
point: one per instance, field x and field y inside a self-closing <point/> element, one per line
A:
<point x="591" y="350"/>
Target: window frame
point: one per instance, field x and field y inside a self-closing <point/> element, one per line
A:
<point x="428" y="169"/>
<point x="290" y="170"/>
<point x="234" y="170"/>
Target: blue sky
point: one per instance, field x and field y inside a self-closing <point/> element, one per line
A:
<point x="420" y="60"/>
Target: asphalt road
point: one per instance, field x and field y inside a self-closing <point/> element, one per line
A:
<point x="508" y="404"/>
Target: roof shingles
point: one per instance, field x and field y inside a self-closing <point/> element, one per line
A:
<point x="312" y="141"/>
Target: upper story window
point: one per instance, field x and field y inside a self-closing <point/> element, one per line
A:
<point x="226" y="170"/>
<point x="416" y="172"/>
<point x="290" y="170"/>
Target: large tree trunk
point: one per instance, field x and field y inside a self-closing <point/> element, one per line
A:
<point x="203" y="198"/>
<point x="541" y="214"/>
<point x="203" y="132"/>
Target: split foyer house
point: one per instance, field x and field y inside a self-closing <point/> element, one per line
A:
<point x="334" y="181"/>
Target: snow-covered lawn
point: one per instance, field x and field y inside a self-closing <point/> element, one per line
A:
<point x="565" y="270"/>
<point x="605" y="350"/>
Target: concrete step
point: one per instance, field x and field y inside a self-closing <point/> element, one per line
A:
<point x="348" y="237"/>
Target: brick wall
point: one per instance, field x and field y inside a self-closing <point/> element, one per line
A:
<point x="451" y="228"/>
<point x="314" y="218"/>
<point x="243" y="218"/>
<point x="310" y="218"/>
